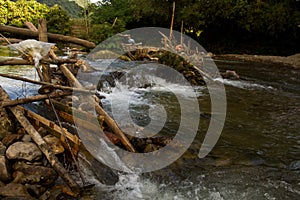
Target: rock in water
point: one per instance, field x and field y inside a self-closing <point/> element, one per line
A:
<point x="32" y="174"/>
<point x="24" y="151"/>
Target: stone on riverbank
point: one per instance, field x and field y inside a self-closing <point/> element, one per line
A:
<point x="32" y="174"/>
<point x="24" y="150"/>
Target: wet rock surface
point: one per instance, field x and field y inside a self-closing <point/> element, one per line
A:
<point x="25" y="172"/>
<point x="24" y="150"/>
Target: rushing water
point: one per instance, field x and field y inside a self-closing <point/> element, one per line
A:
<point x="256" y="157"/>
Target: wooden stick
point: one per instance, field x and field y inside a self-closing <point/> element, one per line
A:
<point x="50" y="126"/>
<point x="109" y="121"/>
<point x="57" y="166"/>
<point x="32" y="99"/>
<point x="42" y="30"/>
<point x="81" y="90"/>
<point x="15" y="62"/>
<point x="115" y="21"/>
<point x="172" y="22"/>
<point x="181" y="34"/>
<point x="51" y="36"/>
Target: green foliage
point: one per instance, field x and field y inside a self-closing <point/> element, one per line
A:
<point x="58" y="20"/>
<point x="16" y="13"/>
<point x="73" y="9"/>
<point x="109" y="18"/>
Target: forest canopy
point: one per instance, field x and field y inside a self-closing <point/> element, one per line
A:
<point x="257" y="26"/>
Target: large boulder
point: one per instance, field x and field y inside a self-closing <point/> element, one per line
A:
<point x="24" y="151"/>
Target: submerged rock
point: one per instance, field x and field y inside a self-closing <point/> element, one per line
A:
<point x="295" y="165"/>
<point x="24" y="150"/>
<point x="232" y="75"/>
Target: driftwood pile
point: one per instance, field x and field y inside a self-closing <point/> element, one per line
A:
<point x="30" y="152"/>
<point x="30" y="149"/>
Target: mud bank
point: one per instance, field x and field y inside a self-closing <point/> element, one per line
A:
<point x="290" y="61"/>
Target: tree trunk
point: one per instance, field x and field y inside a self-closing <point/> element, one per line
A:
<point x="51" y="36"/>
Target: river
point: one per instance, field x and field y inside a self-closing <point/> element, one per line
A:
<point x="256" y="157"/>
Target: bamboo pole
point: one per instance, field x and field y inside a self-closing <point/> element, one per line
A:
<point x="81" y="90"/>
<point x="110" y="122"/>
<point x="181" y="34"/>
<point x="42" y="30"/>
<point x="26" y="62"/>
<point x="51" y="36"/>
<point x="32" y="99"/>
<point x="57" y="166"/>
<point x="43" y="37"/>
<point x="172" y="22"/>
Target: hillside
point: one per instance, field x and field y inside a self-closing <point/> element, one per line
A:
<point x="70" y="6"/>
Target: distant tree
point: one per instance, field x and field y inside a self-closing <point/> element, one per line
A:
<point x="58" y="20"/>
<point x="73" y="9"/>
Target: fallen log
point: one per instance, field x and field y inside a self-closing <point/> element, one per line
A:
<point x="109" y="121"/>
<point x="14" y="62"/>
<point x="81" y="90"/>
<point x="26" y="62"/>
<point x="51" y="36"/>
<point x="36" y="137"/>
<point x="10" y="40"/>
<point x="32" y="99"/>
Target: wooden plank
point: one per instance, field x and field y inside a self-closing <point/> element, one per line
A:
<point x="36" y="137"/>
<point x="47" y="124"/>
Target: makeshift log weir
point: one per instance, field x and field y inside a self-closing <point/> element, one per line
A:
<point x="34" y="124"/>
<point x="40" y="129"/>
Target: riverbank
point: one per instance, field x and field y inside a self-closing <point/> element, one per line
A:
<point x="289" y="61"/>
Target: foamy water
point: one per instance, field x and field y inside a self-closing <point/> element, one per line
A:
<point x="243" y="84"/>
